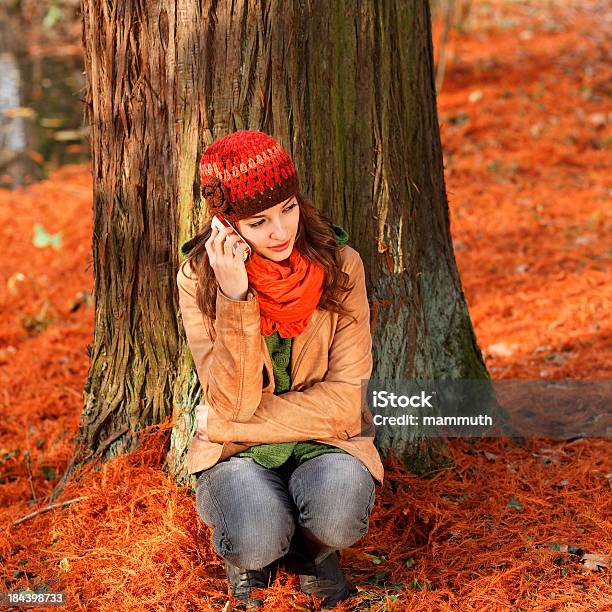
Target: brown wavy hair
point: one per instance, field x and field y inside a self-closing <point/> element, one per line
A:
<point x="316" y="240"/>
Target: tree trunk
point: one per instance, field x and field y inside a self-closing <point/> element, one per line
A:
<point x="348" y="90"/>
<point x="144" y="106"/>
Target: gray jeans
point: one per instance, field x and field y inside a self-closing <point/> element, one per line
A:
<point x="253" y="511"/>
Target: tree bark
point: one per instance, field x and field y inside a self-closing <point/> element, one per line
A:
<point x="348" y="90"/>
<point x="143" y="105"/>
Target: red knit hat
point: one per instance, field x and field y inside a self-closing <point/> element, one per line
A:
<point x="244" y="173"/>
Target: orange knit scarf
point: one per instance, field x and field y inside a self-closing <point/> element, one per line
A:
<point x="287" y="291"/>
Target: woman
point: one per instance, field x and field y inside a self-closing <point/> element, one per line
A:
<point x="284" y="452"/>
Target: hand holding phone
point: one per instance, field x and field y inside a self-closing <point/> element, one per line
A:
<point x="221" y="222"/>
<point x="228" y="267"/>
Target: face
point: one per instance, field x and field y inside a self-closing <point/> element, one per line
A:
<point x="271" y="228"/>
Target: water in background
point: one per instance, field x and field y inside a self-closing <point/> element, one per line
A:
<point x="41" y="112"/>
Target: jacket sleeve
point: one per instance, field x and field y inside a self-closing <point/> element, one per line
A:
<point x="230" y="369"/>
<point x="327" y="409"/>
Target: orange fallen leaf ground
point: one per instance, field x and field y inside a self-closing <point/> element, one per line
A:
<point x="525" y="122"/>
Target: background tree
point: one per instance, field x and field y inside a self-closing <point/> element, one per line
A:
<point x="348" y="89"/>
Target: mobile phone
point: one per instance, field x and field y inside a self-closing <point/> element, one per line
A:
<point x="220" y="222"/>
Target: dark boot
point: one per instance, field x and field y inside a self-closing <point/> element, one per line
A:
<point x="244" y="581"/>
<point x="326" y="580"/>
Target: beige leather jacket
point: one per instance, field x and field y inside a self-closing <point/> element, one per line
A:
<point x="331" y="360"/>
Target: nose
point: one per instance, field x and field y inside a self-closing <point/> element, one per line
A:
<point x="279" y="232"/>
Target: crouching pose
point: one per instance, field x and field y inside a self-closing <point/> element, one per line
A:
<point x="277" y="320"/>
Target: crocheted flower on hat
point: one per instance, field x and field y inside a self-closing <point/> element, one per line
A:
<point x="217" y="197"/>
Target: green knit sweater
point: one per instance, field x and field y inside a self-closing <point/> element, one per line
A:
<point x="275" y="455"/>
